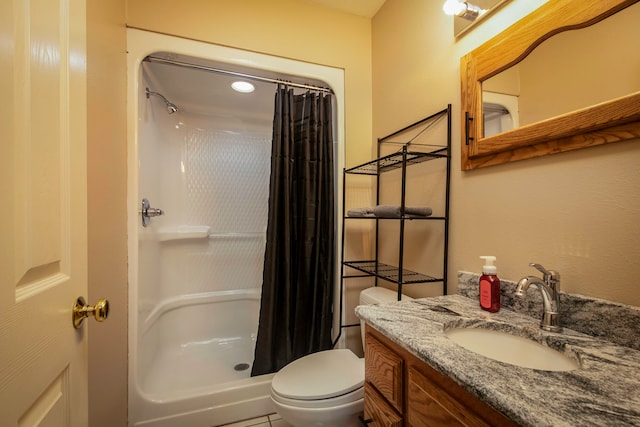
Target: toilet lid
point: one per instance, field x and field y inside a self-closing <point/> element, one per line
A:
<point x="320" y="375"/>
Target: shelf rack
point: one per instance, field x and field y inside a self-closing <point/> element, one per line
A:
<point x="411" y="153"/>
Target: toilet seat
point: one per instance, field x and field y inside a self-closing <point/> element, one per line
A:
<point x="326" y="378"/>
<point x="345" y="399"/>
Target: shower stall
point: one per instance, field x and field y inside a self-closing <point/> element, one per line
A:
<point x="199" y="165"/>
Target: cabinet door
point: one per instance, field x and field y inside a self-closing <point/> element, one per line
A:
<point x="430" y="405"/>
<point x="383" y="369"/>
<point x="378" y="411"/>
<point x="423" y="403"/>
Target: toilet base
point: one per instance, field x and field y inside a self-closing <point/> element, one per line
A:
<point x="344" y="415"/>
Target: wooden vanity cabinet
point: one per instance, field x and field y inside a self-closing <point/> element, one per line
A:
<point x="402" y="390"/>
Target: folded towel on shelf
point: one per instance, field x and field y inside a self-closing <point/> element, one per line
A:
<point x="391" y="211"/>
<point x="360" y="212"/>
<point x="417" y="211"/>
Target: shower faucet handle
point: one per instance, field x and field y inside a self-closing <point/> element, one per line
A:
<point x="151" y="212"/>
<point x="147" y="212"/>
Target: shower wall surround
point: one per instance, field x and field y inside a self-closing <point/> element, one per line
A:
<point x="208" y="177"/>
<point x="200" y="263"/>
<point x="217" y="179"/>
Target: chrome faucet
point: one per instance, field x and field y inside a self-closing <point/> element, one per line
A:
<point x="549" y="287"/>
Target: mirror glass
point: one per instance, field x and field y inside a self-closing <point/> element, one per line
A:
<point x="463" y="25"/>
<point x="572" y="70"/>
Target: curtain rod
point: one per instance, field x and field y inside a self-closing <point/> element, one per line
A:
<point x="233" y="73"/>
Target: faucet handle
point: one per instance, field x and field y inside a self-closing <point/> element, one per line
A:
<point x="548" y="275"/>
<point x="539" y="267"/>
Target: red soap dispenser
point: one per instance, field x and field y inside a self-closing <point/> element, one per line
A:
<point x="489" y="286"/>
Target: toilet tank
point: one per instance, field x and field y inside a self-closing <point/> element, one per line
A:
<point x="377" y="295"/>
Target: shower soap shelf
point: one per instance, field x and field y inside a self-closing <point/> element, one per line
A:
<point x="183" y="232"/>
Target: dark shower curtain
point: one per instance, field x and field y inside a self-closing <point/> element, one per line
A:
<point x="297" y="291"/>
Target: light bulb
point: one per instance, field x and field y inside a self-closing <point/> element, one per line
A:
<point x="454" y="7"/>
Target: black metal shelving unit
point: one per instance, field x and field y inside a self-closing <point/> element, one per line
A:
<point x="411" y="153"/>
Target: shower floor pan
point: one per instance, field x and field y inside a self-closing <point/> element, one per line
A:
<point x="198" y="343"/>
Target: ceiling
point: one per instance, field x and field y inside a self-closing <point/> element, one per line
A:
<point x="367" y="8"/>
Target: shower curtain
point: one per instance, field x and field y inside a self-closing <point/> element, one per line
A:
<point x="297" y="291"/>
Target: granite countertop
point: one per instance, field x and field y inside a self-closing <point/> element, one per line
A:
<point x="605" y="391"/>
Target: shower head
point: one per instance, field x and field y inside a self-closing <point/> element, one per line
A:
<point x="171" y="107"/>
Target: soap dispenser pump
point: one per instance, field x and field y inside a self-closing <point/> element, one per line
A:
<point x="489" y="286"/>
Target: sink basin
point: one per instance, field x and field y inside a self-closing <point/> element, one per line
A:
<point x="513" y="349"/>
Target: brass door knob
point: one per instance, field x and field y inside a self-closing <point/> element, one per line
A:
<point x="81" y="310"/>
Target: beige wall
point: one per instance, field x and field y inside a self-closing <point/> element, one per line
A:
<point x="107" y="226"/>
<point x="294" y="29"/>
<point x="575" y="212"/>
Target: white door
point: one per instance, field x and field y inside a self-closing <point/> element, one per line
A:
<point x="43" y="265"/>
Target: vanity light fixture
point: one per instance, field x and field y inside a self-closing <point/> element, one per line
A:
<point x="463" y="9"/>
<point x="242" y="86"/>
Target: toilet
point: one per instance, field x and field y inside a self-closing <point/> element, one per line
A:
<point x="326" y="388"/>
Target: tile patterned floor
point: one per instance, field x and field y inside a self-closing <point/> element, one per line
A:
<point x="273" y="420"/>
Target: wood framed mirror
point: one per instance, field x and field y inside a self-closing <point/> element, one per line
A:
<point x="614" y="119"/>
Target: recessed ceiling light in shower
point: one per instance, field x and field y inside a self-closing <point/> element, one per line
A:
<point x="244" y="87"/>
